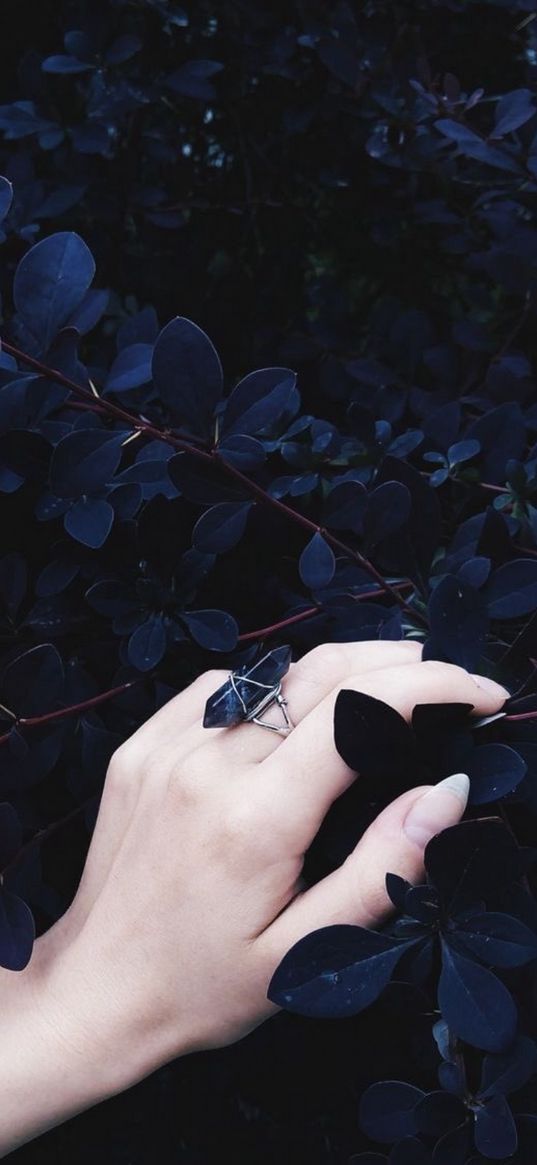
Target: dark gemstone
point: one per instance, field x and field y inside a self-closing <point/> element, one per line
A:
<point x="224" y="707"/>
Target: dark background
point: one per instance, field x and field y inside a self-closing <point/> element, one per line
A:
<point x="300" y="208"/>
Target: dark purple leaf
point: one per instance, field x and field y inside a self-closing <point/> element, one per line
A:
<point x="221" y="527"/>
<point x="458" y="621"/>
<point x="472" y="861"/>
<point x="335" y="971"/>
<point x="33" y="682"/>
<point x="147" y="644"/>
<point x="187" y="375"/>
<point x="317" y="563"/>
<point x="475" y="1003"/>
<point x="513" y="110"/>
<point x="344" y="506"/>
<point x="371" y="736"/>
<point x="494" y="771"/>
<point x="388" y="508"/>
<point x="258" y="401"/>
<point x="84" y="461"/>
<point x="495" y="1130"/>
<point x="6" y="197"/>
<point x="438" y="1113"/>
<point x="131" y="367"/>
<point x="386" y="1110"/>
<point x="215" y="630"/>
<point x="509" y="1071"/>
<point x="512" y="589"/>
<point x="50" y="282"/>
<point x="89" y="521"/>
<point x="497" y="939"/>
<point x="17" y="931"/>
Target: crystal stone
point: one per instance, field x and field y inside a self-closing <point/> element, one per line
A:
<point x="224" y="707"/>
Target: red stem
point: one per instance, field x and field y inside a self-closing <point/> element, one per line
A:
<point x="212" y="456"/>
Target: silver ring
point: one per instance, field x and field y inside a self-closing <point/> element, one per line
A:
<point x="235" y="701"/>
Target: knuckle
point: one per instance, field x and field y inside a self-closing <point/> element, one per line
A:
<point x="189" y="779"/>
<point x="240" y="826"/>
<point x="122" y="763"/>
<point x="449" y="670"/>
<point x="323" y="660"/>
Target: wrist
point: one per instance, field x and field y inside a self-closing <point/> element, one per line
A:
<point x="46" y="1073"/>
<point x="82" y="1000"/>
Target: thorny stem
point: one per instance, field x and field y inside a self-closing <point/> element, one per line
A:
<point x="214" y="455"/>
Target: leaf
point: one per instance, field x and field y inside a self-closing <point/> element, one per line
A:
<point x="6" y="197"/>
<point x="494" y="771"/>
<point x="147" y="644"/>
<point x="513" y="110"/>
<point x="410" y="1151"/>
<point x="33" y="682"/>
<point x="244" y="452"/>
<point x="344" y="506"/>
<point x="371" y="736"/>
<point x="388" y="508"/>
<point x="84" y="461"/>
<point x="17" y="931"/>
<point x="472" y="861"/>
<point x="215" y="630"/>
<point x="191" y="80"/>
<point x="89" y="521"/>
<point x="10" y="833"/>
<point x="65" y="64"/>
<point x="258" y="401"/>
<point x="462" y="451"/>
<point x="335" y="971"/>
<point x="131" y="368"/>
<point x="512" y="589"/>
<point x="458" y="621"/>
<point x="501" y="432"/>
<point x="201" y="481"/>
<point x="386" y="1111"/>
<point x="495" y="1132"/>
<point x="508" y="1071"/>
<point x="187" y="375"/>
<point x="317" y="563"/>
<point x="50" y="282"/>
<point x="221" y="527"/>
<point x="397" y="888"/>
<point x="497" y="939"/>
<point x="475" y="1004"/>
<point x="439" y="1112"/>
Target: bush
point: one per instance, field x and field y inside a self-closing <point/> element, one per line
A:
<point x="343" y="202"/>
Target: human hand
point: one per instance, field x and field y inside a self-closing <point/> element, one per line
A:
<point x="192" y="894"/>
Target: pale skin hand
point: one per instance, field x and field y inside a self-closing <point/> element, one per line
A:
<point x="192" y="894"/>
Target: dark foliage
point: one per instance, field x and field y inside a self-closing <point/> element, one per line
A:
<point x="267" y="376"/>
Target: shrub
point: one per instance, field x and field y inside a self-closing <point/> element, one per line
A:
<point x="339" y="211"/>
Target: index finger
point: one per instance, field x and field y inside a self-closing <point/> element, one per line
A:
<point x="307" y="774"/>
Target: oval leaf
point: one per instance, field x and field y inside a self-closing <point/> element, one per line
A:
<point x="187" y="375"/>
<point x="335" y="971"/>
<point x="50" y="282"/>
<point x="317" y="563"/>
<point x="475" y="1004"/>
<point x="221" y="527"/>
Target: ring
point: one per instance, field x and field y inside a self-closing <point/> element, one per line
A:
<point x="239" y="699"/>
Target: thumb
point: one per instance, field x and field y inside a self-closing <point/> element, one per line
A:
<point x="394" y="843"/>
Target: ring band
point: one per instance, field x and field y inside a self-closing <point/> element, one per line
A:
<point x="238" y="700"/>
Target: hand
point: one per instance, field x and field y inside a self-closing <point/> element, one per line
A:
<point x="191" y="893"/>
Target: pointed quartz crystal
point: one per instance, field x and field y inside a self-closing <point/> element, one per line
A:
<point x="224" y="707"/>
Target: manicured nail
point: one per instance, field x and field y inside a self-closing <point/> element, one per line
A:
<point x="439" y="807"/>
<point x="491" y="686"/>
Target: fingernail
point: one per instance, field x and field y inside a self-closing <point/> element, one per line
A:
<point x="439" y="807"/>
<point x="491" y="686"/>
